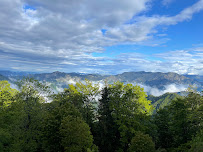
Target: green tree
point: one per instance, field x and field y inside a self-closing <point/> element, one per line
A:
<point x="7" y="97"/>
<point x="127" y="107"/>
<point x="164" y="134"/>
<point x="65" y="130"/>
<point x="84" y="97"/>
<point x="76" y="135"/>
<point x="52" y="122"/>
<point x="194" y="103"/>
<point x="141" y="143"/>
<point x="130" y="106"/>
<point x="173" y="128"/>
<point x="29" y="111"/>
<point x="6" y="94"/>
<point x="108" y="134"/>
<point x="179" y="122"/>
<point x="197" y="142"/>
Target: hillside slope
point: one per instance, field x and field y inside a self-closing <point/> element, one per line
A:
<point x="163" y="100"/>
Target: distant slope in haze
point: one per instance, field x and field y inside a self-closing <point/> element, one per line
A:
<point x="3" y="78"/>
<point x="195" y="77"/>
<point x="155" y="83"/>
<point x="153" y="79"/>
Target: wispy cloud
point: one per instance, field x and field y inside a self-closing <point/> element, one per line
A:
<point x="167" y="2"/>
<point x="64" y="35"/>
<point x="180" y="61"/>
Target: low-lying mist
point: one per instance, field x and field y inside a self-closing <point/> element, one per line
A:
<point x="171" y="88"/>
<point x="63" y="83"/>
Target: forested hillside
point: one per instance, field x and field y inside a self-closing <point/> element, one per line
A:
<point x="86" y="118"/>
<point x="164" y="100"/>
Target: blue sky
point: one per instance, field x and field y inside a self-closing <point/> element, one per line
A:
<point x="106" y="37"/>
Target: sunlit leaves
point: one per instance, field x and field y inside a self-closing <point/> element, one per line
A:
<point x="6" y="94"/>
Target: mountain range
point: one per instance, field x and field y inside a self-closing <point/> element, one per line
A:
<point x="151" y="81"/>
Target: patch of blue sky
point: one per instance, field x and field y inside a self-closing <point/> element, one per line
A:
<point x="28" y="7"/>
<point x="174" y="8"/>
<point x="116" y="50"/>
<point x="157" y="8"/>
<point x="153" y="58"/>
<point x="103" y="31"/>
<point x="182" y="36"/>
<point x="185" y="34"/>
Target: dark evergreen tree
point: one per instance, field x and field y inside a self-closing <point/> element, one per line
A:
<point x="107" y="128"/>
<point x="164" y="134"/>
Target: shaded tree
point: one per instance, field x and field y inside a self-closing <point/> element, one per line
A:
<point x="141" y="143"/>
<point x="125" y="106"/>
<point x="108" y="136"/>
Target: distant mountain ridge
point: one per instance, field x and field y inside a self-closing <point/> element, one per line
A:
<point x="11" y="73"/>
<point x="195" y="77"/>
<point x="154" y="79"/>
<point x="3" y="78"/>
<point x="157" y="80"/>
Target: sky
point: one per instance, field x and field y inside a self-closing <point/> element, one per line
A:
<point x="102" y="36"/>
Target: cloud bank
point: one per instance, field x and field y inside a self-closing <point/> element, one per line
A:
<point x="171" y="88"/>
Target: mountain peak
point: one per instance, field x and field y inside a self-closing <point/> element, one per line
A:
<point x="57" y="72"/>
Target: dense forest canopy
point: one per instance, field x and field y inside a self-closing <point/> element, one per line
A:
<point x="86" y="118"/>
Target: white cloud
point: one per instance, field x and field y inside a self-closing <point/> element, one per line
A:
<point x="171" y="88"/>
<point x="179" y="61"/>
<point x="59" y="35"/>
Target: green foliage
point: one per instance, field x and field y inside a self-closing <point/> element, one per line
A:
<point x="65" y="130"/>
<point x="120" y="121"/>
<point x="123" y="107"/>
<point x="108" y="136"/>
<point x="172" y="125"/>
<point x="52" y="122"/>
<point x="179" y="122"/>
<point x="28" y="107"/>
<point x="83" y="97"/>
<point x="20" y="122"/>
<point x="141" y="143"/>
<point x="194" y="103"/>
<point x="164" y="134"/>
<point x="7" y="97"/>
<point x="75" y="134"/>
<point x="197" y="142"/>
<point x="6" y="94"/>
<point x="131" y="97"/>
<point x="5" y="139"/>
<point x="129" y="106"/>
